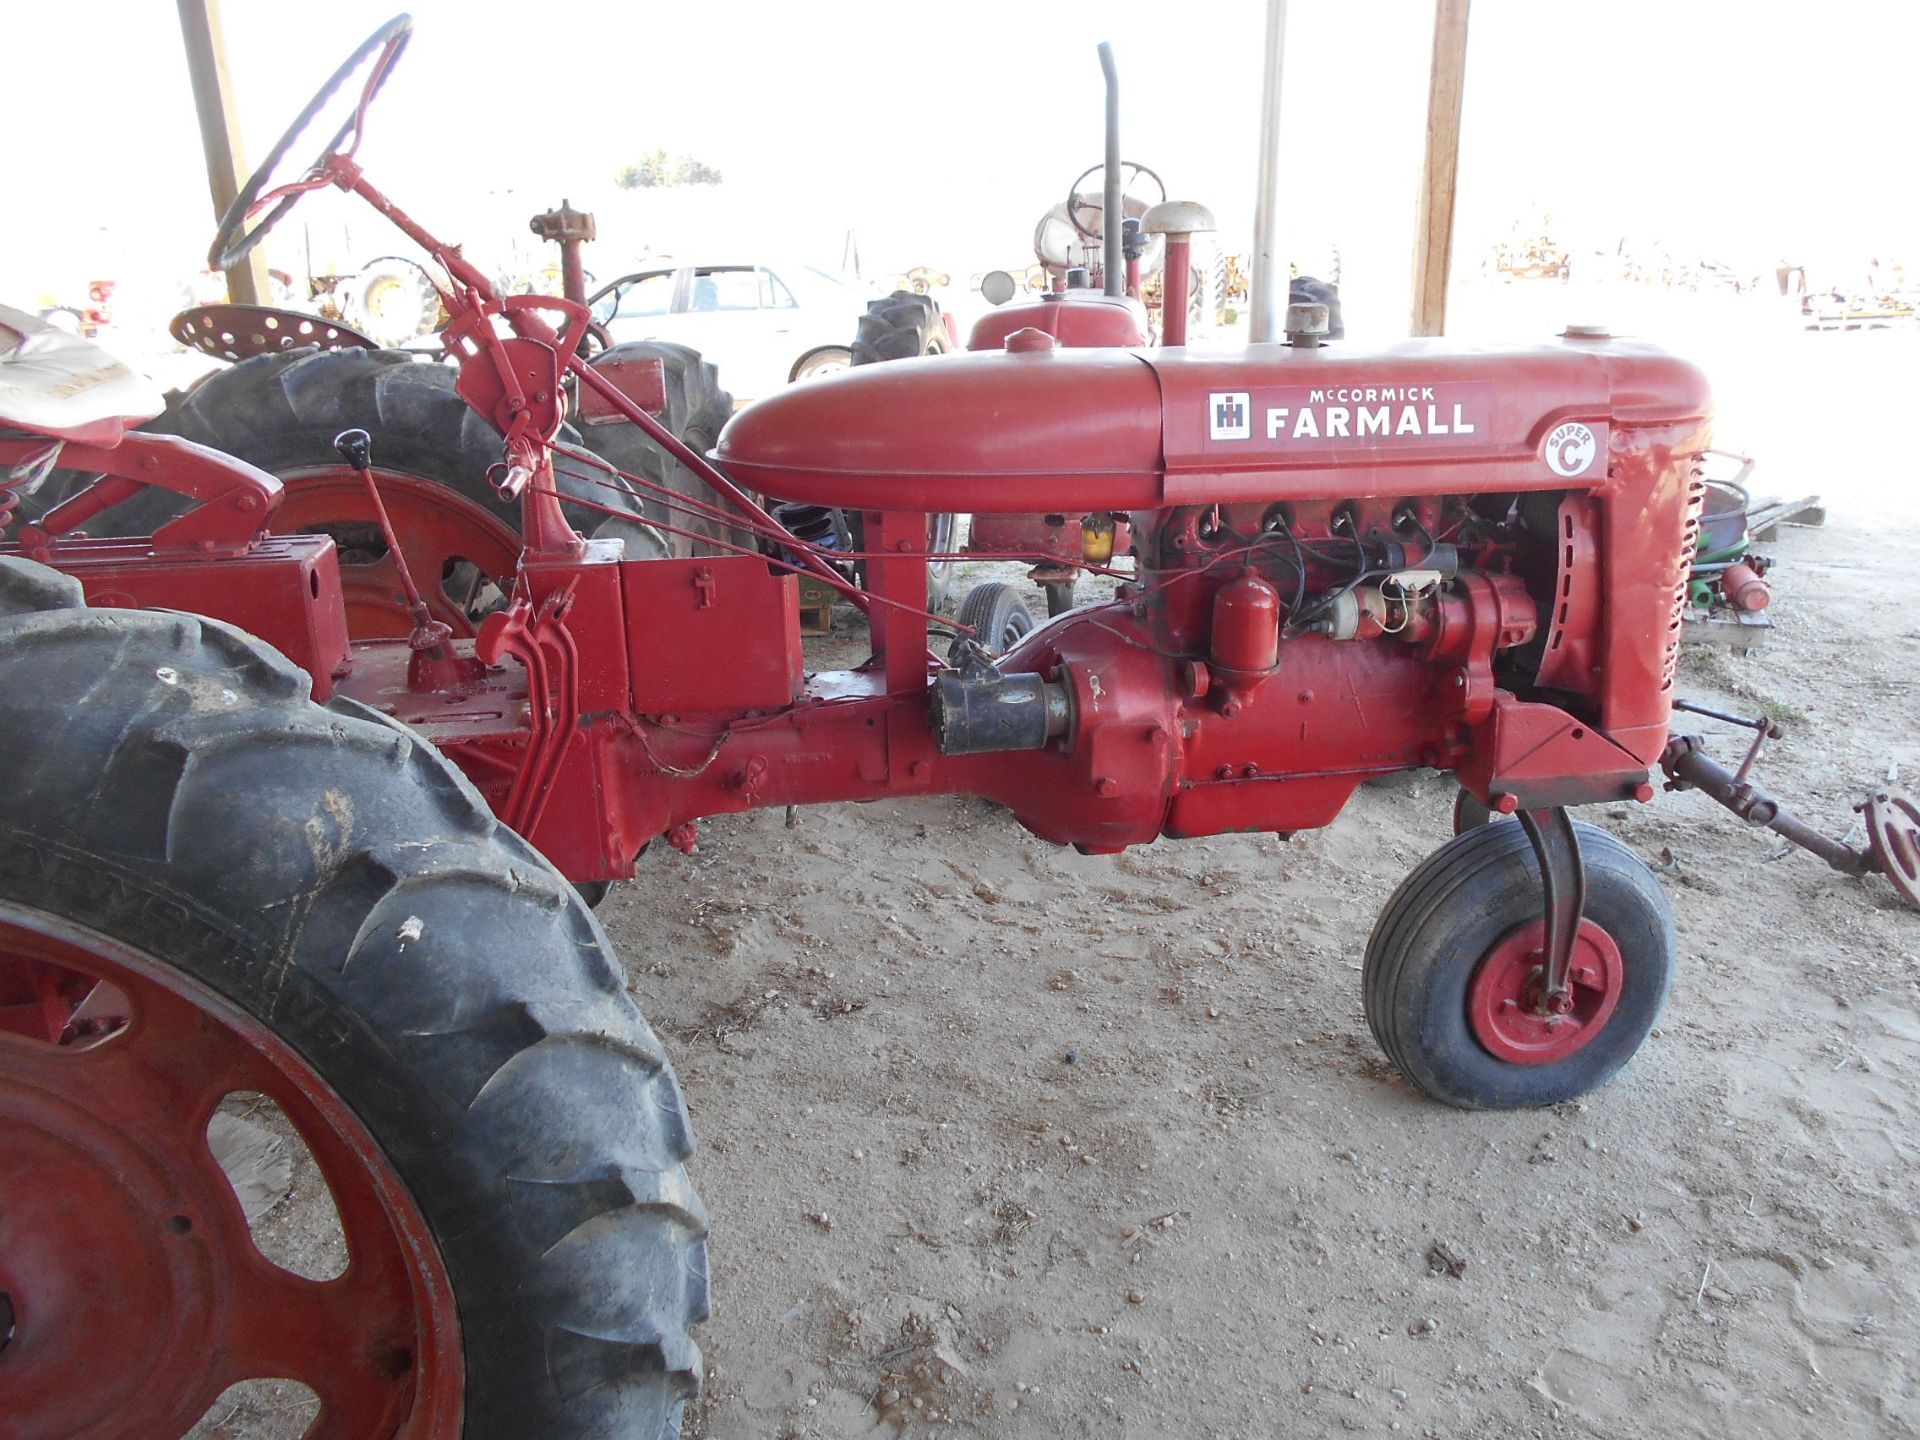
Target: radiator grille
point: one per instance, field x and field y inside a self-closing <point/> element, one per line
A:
<point x="1683" y="570"/>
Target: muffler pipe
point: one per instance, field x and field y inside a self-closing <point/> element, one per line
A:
<point x="1270" y="282"/>
<point x="1115" y="269"/>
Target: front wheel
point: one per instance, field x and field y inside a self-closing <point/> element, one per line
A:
<point x="1453" y="970"/>
<point x="997" y="615"/>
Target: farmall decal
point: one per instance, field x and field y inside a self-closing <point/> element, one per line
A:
<point x="1335" y="416"/>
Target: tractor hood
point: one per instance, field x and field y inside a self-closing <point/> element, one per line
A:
<point x="1045" y="430"/>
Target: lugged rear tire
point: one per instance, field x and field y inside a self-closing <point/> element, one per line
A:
<point x="697" y="407"/>
<point x="906" y="326"/>
<point x="903" y="326"/>
<point x="281" y="412"/>
<point x="172" y="788"/>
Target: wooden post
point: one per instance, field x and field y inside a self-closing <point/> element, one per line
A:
<point x="247" y="282"/>
<point x="1433" y="223"/>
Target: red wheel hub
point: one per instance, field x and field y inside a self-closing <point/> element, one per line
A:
<point x="135" y="1288"/>
<point x="434" y="525"/>
<point x="1505" y="1002"/>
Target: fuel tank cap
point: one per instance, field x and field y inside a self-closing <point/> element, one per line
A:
<point x="1029" y="339"/>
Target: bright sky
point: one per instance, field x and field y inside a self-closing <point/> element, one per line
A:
<point x="1741" y="132"/>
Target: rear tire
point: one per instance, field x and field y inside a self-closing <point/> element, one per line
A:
<point x="903" y="326"/>
<point x="906" y="326"/>
<point x="173" y="789"/>
<point x="1454" y="913"/>
<point x="697" y="407"/>
<point x="281" y="412"/>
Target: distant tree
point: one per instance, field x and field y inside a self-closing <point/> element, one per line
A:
<point x="644" y="175"/>
<point x="659" y="170"/>
<point x="694" y="172"/>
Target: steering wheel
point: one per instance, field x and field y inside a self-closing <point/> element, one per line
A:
<point x="235" y="242"/>
<point x="1130" y="171"/>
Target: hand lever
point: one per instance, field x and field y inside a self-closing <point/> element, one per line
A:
<point x="356" y="448"/>
<point x="429" y="635"/>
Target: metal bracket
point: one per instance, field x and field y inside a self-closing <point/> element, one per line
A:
<point x="1563" y="878"/>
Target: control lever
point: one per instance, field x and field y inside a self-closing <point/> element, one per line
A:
<point x="356" y="448"/>
<point x="429" y="635"/>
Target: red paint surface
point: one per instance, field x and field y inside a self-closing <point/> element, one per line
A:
<point x="138" y="1293"/>
<point x="1503" y="999"/>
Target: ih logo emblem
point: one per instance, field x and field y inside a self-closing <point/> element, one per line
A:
<point x="1229" y="416"/>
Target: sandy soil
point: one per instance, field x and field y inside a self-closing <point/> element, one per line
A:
<point x="999" y="1140"/>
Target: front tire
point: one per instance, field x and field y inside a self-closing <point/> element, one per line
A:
<point x="320" y="877"/>
<point x="1454" y="940"/>
<point x="997" y="615"/>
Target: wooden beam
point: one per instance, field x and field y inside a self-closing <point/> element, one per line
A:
<point x="1433" y="225"/>
<point x="247" y="282"/>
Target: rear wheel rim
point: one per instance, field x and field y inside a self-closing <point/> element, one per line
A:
<point x="830" y="363"/>
<point x="133" y="1282"/>
<point x="1503" y="999"/>
<point x="435" y="526"/>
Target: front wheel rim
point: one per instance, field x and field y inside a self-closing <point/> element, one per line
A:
<point x="1503" y="998"/>
<point x="133" y="1282"/>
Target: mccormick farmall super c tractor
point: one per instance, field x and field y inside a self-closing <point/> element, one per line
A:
<point x="242" y="856"/>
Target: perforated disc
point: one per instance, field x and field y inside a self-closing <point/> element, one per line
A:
<point x="1893" y="837"/>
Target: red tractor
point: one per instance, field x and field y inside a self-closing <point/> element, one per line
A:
<point x="244" y="855"/>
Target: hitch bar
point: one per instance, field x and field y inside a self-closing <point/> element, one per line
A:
<point x="1688" y="767"/>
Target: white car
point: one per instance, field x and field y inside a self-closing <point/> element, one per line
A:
<point x="763" y="325"/>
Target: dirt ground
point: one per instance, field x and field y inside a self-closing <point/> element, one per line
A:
<point x="999" y="1140"/>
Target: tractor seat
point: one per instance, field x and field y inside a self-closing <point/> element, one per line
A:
<point x="53" y="383"/>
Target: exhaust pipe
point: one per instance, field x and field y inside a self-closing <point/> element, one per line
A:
<point x="1270" y="283"/>
<point x="1110" y="216"/>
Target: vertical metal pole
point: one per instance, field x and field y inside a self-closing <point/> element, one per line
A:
<point x="1270" y="281"/>
<point x="1176" y="283"/>
<point x="1113" y="272"/>
<point x="247" y="282"/>
<point x="1433" y="223"/>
